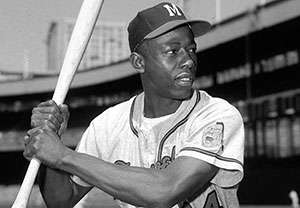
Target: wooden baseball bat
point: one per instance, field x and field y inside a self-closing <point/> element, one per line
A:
<point x="81" y="34"/>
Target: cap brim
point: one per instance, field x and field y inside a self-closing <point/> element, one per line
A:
<point x="198" y="27"/>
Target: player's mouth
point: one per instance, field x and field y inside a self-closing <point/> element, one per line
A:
<point x="184" y="79"/>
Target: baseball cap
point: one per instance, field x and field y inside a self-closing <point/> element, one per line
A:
<point x="159" y="19"/>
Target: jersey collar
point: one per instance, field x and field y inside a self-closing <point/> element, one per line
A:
<point x="181" y="114"/>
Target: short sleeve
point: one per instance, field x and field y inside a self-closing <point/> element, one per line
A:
<point x="218" y="138"/>
<point x="87" y="145"/>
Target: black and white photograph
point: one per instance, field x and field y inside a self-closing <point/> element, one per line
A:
<point x="150" y="103"/>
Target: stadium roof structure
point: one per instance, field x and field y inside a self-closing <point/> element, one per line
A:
<point x="41" y="83"/>
<point x="255" y="19"/>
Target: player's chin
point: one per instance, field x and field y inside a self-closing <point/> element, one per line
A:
<point x="183" y="93"/>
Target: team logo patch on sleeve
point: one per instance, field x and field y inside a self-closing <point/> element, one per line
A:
<point x="213" y="136"/>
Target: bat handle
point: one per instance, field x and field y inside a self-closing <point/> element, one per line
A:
<point x="27" y="184"/>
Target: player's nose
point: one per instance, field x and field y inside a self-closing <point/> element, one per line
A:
<point x="187" y="60"/>
<point x="188" y="64"/>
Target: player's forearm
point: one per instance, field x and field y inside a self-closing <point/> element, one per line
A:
<point x="55" y="187"/>
<point x="137" y="186"/>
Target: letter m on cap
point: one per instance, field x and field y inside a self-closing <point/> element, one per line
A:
<point x="172" y="9"/>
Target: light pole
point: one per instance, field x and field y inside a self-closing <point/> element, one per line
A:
<point x="218" y="11"/>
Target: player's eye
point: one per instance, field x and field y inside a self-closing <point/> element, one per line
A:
<point x="172" y="51"/>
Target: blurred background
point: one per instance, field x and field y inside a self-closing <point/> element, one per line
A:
<point x="251" y="58"/>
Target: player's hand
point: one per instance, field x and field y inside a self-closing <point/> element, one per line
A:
<point x="49" y="114"/>
<point x="45" y="145"/>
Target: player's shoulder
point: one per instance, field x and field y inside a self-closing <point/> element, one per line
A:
<point x="212" y="105"/>
<point x="115" y="112"/>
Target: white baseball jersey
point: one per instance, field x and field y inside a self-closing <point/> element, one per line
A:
<point x="204" y="127"/>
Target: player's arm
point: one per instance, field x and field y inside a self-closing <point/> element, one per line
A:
<point x="138" y="186"/>
<point x="144" y="187"/>
<point x="57" y="189"/>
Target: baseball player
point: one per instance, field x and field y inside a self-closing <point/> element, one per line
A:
<point x="170" y="146"/>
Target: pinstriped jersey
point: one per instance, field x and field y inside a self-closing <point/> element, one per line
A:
<point x="203" y="127"/>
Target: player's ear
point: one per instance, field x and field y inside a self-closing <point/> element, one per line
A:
<point x="137" y="61"/>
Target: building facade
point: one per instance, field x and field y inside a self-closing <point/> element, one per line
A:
<point x="108" y="44"/>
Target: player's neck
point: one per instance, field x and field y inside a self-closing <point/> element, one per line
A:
<point x="157" y="107"/>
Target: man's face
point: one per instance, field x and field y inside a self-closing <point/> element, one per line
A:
<point x="170" y="64"/>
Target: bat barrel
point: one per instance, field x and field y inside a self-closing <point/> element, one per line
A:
<point x="85" y="23"/>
